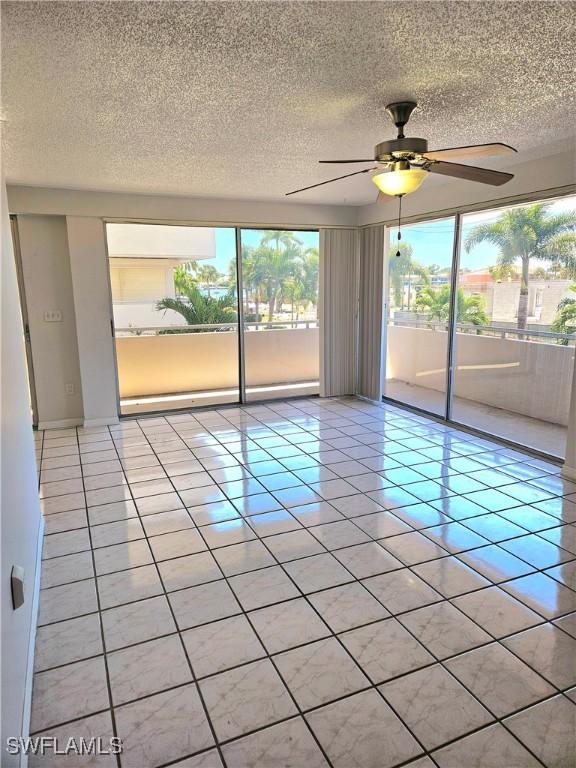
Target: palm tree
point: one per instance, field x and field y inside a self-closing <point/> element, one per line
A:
<point x="525" y="233"/>
<point x="184" y="275"/>
<point x="208" y="276"/>
<point x="435" y="302"/>
<point x="255" y="271"/>
<point x="310" y="269"/>
<point x="565" y="320"/>
<point x="402" y="266"/>
<point x="280" y="237"/>
<point x="198" y="309"/>
<point x="279" y="252"/>
<point x="293" y="288"/>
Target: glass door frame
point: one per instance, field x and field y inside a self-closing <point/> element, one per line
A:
<point x="452" y="314"/>
<point x="458" y="214"/>
<point x="451" y="328"/>
<point x="242" y="339"/>
<point x="242" y="399"/>
<point x="24" y="312"/>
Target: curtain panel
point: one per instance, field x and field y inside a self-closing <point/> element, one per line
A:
<point x="338" y="310"/>
<point x="370" y="313"/>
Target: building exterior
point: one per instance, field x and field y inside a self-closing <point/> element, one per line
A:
<point x="501" y="296"/>
<point x="143" y="259"/>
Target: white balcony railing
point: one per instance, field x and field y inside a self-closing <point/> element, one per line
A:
<point x="206" y="357"/>
<point x="510" y="372"/>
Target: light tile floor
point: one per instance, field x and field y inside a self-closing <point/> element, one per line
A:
<point x="304" y="584"/>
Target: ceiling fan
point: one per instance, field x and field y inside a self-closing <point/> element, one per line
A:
<point x="403" y="163"/>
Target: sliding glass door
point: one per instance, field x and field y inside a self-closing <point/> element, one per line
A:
<point x="513" y="369"/>
<point x="499" y="354"/>
<point x="419" y="293"/>
<point x="185" y="334"/>
<point x="175" y="305"/>
<point x="279" y="271"/>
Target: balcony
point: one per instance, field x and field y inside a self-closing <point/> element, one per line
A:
<point x="502" y="384"/>
<point x="182" y="366"/>
<point x="511" y="383"/>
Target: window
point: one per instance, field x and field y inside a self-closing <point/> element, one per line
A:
<point x="175" y="298"/>
<point x="418" y="313"/>
<point x="508" y="335"/>
<point x="280" y="295"/>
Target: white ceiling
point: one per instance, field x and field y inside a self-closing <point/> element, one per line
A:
<point x="240" y="99"/>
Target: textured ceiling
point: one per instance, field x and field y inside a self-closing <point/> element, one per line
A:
<point x="239" y="99"/>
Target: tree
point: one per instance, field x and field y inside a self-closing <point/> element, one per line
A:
<point x="198" y="309"/>
<point x="254" y="274"/>
<point x="280" y="236"/>
<point x="525" y="233"/>
<point x="435" y="302"/>
<point x="565" y="320"/>
<point x="502" y="272"/>
<point x="402" y="266"/>
<point x="184" y="276"/>
<point x="293" y="288"/>
<point x="310" y="270"/>
<point x="279" y="252"/>
<point x="208" y="276"/>
<point x="278" y="269"/>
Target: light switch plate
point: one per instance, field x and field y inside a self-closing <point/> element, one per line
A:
<point x="53" y="316"/>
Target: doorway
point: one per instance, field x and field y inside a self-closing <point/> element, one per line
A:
<point x="25" y="323"/>
<point x="209" y="316"/>
<point x="480" y="324"/>
<point x="281" y="346"/>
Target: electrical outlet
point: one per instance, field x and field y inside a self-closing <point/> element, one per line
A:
<point x="53" y="316"/>
<point x="69" y="388"/>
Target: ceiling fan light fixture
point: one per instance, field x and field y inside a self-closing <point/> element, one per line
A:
<point x="401" y="180"/>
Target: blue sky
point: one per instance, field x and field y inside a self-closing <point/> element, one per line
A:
<point x="431" y="241"/>
<point x="226" y="243"/>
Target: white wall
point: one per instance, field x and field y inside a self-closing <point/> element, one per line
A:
<point x="142" y="240"/>
<point x="192" y="362"/>
<point x="20" y="511"/>
<point x="554" y="171"/>
<point x="184" y="209"/>
<point x="91" y="288"/>
<point x="48" y="286"/>
<point x="65" y="268"/>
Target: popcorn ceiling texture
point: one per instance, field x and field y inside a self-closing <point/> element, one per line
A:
<point x="240" y="99"/>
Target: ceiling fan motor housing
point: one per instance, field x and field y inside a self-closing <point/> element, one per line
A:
<point x="399" y="148"/>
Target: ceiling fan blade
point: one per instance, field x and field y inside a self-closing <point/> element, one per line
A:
<point x="371" y="160"/>
<point x="476" y="150"/>
<point x="471" y="173"/>
<point x="321" y="184"/>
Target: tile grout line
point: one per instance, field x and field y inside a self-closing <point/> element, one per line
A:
<point x="102" y="637"/>
<point x="305" y="528"/>
<point x="185" y="650"/>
